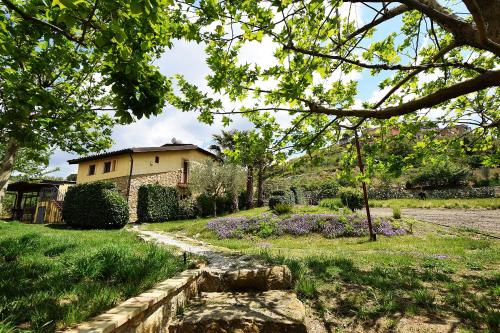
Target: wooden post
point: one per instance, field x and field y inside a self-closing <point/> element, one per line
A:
<point x="373" y="236"/>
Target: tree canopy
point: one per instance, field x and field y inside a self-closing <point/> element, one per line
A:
<point x="431" y="62"/>
<point x="69" y="70"/>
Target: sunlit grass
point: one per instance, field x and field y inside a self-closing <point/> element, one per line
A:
<point x="485" y="203"/>
<point x="54" y="278"/>
<point x="434" y="272"/>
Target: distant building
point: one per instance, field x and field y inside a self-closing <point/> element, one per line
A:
<point x="130" y="168"/>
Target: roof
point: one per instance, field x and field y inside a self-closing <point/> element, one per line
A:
<point x="166" y="147"/>
<point x="35" y="185"/>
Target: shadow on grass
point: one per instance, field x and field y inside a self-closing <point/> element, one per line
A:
<point x="362" y="297"/>
<point x="51" y="281"/>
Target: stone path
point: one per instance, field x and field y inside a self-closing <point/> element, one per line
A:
<point x="236" y="293"/>
<point x="218" y="258"/>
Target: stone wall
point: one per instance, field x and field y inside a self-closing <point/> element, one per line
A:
<point x="150" y="312"/>
<point x="171" y="178"/>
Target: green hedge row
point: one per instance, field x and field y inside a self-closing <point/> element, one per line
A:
<point x="157" y="203"/>
<point x="96" y="205"/>
<point x="451" y="193"/>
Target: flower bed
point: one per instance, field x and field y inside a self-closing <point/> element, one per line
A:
<point x="329" y="225"/>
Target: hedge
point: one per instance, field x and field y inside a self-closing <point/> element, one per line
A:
<point x="96" y="205"/>
<point x="281" y="197"/>
<point x="157" y="203"/>
<point x="351" y="198"/>
<point x="451" y="193"/>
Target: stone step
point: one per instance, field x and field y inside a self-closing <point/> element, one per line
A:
<point x="265" y="312"/>
<point x="247" y="279"/>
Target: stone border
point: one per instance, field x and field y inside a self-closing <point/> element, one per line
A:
<point x="151" y="311"/>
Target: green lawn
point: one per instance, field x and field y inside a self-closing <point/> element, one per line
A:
<point x="484" y="203"/>
<point x="433" y="274"/>
<point x="53" y="278"/>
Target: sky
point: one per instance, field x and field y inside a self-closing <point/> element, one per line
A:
<point x="188" y="59"/>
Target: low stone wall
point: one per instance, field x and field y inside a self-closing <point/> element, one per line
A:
<point x="150" y="312"/>
<point x="155" y="310"/>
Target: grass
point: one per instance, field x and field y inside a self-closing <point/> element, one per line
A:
<point x="53" y="278"/>
<point x="435" y="274"/>
<point x="483" y="203"/>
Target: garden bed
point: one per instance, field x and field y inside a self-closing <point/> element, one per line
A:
<point x="53" y="278"/>
<point x="329" y="225"/>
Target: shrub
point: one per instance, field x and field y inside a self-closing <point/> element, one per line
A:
<point x="396" y="212"/>
<point x="279" y="199"/>
<point x="438" y="173"/>
<point x="322" y="190"/>
<point x="188" y="209"/>
<point x="205" y="204"/>
<point x="333" y="204"/>
<point x="157" y="203"/>
<point x="282" y="208"/>
<point x="351" y="198"/>
<point x="96" y="205"/>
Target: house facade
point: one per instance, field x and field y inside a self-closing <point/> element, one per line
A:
<point x="167" y="165"/>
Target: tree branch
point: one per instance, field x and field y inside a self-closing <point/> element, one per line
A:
<point x="380" y="66"/>
<point x="27" y="17"/>
<point x="483" y="81"/>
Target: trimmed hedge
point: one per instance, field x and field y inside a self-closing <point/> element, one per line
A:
<point x="188" y="209"/>
<point x="206" y="204"/>
<point x="351" y="198"/>
<point x="96" y="205"/>
<point x="157" y="203"/>
<point x="451" y="193"/>
<point x="281" y="197"/>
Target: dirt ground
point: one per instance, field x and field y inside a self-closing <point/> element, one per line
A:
<point x="486" y="221"/>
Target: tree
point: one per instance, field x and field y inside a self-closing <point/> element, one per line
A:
<point x="427" y="58"/>
<point x="215" y="180"/>
<point x="64" y="66"/>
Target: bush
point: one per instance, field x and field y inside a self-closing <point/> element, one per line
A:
<point x="314" y="193"/>
<point x="351" y="198"/>
<point x="157" y="203"/>
<point x="333" y="204"/>
<point x="205" y="204"/>
<point x="282" y="208"/>
<point x="188" y="209"/>
<point x="96" y="205"/>
<point x="280" y="199"/>
<point x="439" y="173"/>
<point x="396" y="212"/>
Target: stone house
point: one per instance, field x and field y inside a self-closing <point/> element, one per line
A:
<point x="130" y="168"/>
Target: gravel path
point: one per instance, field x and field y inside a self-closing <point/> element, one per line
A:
<point x="486" y="221"/>
<point x="218" y="258"/>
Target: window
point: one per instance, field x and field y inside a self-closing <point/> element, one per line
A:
<point x="91" y="169"/>
<point x="109" y="166"/>
<point x="185" y="171"/>
<point x="157" y="159"/>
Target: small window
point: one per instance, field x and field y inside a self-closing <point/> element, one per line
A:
<point x="91" y="169"/>
<point x="107" y="167"/>
<point x="157" y="159"/>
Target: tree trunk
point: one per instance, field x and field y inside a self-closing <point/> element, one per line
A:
<point x="6" y="167"/>
<point x="234" y="202"/>
<point x="373" y="236"/>
<point x="250" y="187"/>
<point x="215" y="206"/>
<point x="260" y="186"/>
